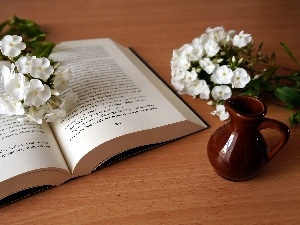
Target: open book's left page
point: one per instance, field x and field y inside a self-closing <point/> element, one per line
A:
<point x="29" y="156"/>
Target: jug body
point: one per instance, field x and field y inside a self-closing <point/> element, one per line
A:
<point x="237" y="150"/>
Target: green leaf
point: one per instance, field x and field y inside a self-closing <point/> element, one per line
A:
<point x="260" y="47"/>
<point x="295" y="118"/>
<point x="288" y="95"/>
<point x="43" y="50"/>
<point x="273" y="56"/>
<point x="26" y="27"/>
<point x="287" y="50"/>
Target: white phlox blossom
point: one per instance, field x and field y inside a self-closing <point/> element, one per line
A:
<point x="183" y="81"/>
<point x="218" y="33"/>
<point x="198" y="45"/>
<point x="16" y="86"/>
<point x="23" y="64"/>
<point x="11" y="46"/>
<point x="211" y="47"/>
<point x="69" y="101"/>
<point x="190" y="76"/>
<point x="222" y="75"/>
<point x="221" y="92"/>
<point x="7" y="74"/>
<point x="10" y="106"/>
<point x="41" y="68"/>
<point x="240" y="78"/>
<point x="37" y="93"/>
<point x="178" y="85"/>
<point x="55" y="115"/>
<point x="221" y="112"/>
<point x="207" y="65"/>
<point x="241" y="40"/>
<point x="230" y="36"/>
<point x="198" y="87"/>
<point x="62" y="79"/>
<point x="205" y="91"/>
<point x="179" y="64"/>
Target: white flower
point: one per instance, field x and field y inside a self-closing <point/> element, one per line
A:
<point x="9" y="106"/>
<point x="190" y="76"/>
<point x="16" y="86"/>
<point x="221" y="112"/>
<point x="207" y="65"/>
<point x="222" y="75"/>
<point x="55" y="115"/>
<point x="198" y="87"/>
<point x="186" y="52"/>
<point x="211" y="47"/>
<point x="7" y="74"/>
<point x="214" y="30"/>
<point x="230" y="35"/>
<point x="205" y="92"/>
<point x="198" y="45"/>
<point x="69" y="101"/>
<point x="178" y="84"/>
<point x="179" y="64"/>
<point x="36" y="94"/>
<point x="23" y="64"/>
<point x="41" y="68"/>
<point x="241" y="40"/>
<point x="62" y="79"/>
<point x="240" y="78"/>
<point x="11" y="46"/>
<point x="190" y="52"/>
<point x="221" y="92"/>
<point x="218" y="33"/>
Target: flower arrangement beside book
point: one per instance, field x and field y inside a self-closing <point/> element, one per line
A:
<point x="35" y="88"/>
<point x="220" y="63"/>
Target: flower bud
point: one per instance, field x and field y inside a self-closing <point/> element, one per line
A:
<point x="240" y="61"/>
<point x="233" y="59"/>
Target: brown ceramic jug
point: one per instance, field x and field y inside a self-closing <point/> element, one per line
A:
<point x="237" y="150"/>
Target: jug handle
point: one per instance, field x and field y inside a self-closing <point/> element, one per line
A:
<point x="280" y="127"/>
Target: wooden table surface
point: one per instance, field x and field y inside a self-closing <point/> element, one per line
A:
<point x="172" y="184"/>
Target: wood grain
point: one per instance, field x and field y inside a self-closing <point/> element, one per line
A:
<point x="172" y="184"/>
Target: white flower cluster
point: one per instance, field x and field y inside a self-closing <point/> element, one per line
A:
<point x="33" y="87"/>
<point x="207" y="67"/>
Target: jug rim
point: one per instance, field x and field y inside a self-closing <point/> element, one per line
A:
<point x="245" y="105"/>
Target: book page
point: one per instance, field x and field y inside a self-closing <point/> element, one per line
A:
<point x="27" y="147"/>
<point x="26" y="151"/>
<point x="115" y="99"/>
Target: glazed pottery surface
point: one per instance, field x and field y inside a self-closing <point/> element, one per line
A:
<point x="237" y="150"/>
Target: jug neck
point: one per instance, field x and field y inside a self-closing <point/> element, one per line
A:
<point x="245" y="110"/>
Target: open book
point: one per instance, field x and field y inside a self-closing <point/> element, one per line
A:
<point x="123" y="107"/>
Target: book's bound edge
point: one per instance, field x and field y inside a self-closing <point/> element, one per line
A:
<point x="134" y="151"/>
<point x="167" y="85"/>
<point x="22" y="194"/>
